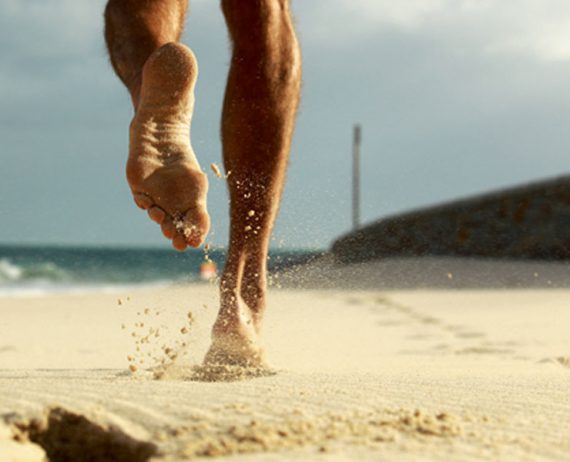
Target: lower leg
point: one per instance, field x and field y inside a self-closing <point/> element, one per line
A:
<point x="134" y="29"/>
<point x="257" y="125"/>
<point x="160" y="73"/>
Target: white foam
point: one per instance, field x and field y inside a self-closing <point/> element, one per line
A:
<point x="39" y="288"/>
<point x="9" y="271"/>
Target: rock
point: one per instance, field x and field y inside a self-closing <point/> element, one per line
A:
<point x="528" y="222"/>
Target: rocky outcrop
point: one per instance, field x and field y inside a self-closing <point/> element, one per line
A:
<point x="531" y="221"/>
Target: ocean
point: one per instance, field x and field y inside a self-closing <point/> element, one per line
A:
<point x="40" y="270"/>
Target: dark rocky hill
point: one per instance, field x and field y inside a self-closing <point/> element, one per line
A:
<point x="527" y="222"/>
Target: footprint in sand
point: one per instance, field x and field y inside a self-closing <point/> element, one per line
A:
<point x="483" y="350"/>
<point x="563" y="361"/>
<point x="391" y="323"/>
<point x="469" y="335"/>
<point x="455" y="328"/>
<point x="428" y="320"/>
<point x="441" y="347"/>
<point x="422" y="336"/>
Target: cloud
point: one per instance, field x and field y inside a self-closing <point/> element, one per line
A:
<point x="536" y="28"/>
<point x="539" y="28"/>
<point x="405" y="14"/>
<point x="47" y="29"/>
<point x="52" y="51"/>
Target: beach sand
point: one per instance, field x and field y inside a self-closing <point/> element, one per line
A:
<point x="357" y="375"/>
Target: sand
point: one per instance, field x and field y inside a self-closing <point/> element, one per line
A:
<point x="356" y="375"/>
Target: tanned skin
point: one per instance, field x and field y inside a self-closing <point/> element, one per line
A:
<point x="258" y="119"/>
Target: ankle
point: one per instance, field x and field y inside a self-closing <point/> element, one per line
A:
<point x="134" y="87"/>
<point x="253" y="294"/>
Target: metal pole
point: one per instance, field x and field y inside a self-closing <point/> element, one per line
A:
<point x="356" y="177"/>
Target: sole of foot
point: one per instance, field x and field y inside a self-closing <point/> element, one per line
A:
<point x="162" y="170"/>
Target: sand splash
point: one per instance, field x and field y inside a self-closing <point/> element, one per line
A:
<point x="211" y="373"/>
<point x="161" y="359"/>
<point x="156" y="347"/>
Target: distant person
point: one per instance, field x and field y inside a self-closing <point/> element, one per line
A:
<point x="258" y="118"/>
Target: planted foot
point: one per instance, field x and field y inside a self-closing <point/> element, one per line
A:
<point x="235" y="341"/>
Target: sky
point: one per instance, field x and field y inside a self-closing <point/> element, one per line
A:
<point x="455" y="97"/>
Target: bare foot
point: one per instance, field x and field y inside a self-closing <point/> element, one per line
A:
<point x="162" y="170"/>
<point x="235" y="341"/>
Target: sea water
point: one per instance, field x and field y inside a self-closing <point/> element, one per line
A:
<point x="39" y="270"/>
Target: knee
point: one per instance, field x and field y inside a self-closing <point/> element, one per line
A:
<point x="242" y="15"/>
<point x="264" y="37"/>
<point x="257" y="22"/>
<point x="153" y="14"/>
<point x="117" y="16"/>
<point x="115" y="9"/>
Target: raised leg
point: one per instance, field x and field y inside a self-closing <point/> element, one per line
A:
<point x="160" y="73"/>
<point x="260" y="105"/>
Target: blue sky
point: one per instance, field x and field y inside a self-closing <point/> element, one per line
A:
<point x="455" y="97"/>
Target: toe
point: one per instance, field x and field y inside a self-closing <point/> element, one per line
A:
<point x="194" y="237"/>
<point x="198" y="224"/>
<point x="156" y="214"/>
<point x="142" y="200"/>
<point x="179" y="242"/>
<point x="168" y="228"/>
